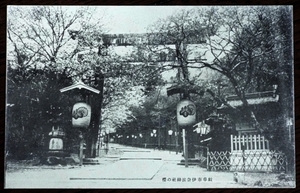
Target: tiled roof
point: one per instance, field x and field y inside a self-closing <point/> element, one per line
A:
<point x="254" y="98"/>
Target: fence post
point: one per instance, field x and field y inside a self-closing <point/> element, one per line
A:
<point x="207" y="160"/>
<point x="251" y="142"/>
<point x="231" y="140"/>
<point x="243" y="156"/>
<point x="263" y="139"/>
<point x="259" y="142"/>
<point x="239" y="142"/>
<point x="247" y="142"/>
<point x="255" y="143"/>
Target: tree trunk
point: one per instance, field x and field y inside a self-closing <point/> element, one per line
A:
<point x="96" y="104"/>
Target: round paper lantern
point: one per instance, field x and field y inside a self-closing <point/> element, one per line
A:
<point x="81" y="115"/>
<point x="56" y="144"/>
<point x="186" y="113"/>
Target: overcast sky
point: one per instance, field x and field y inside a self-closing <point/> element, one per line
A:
<point x="134" y="19"/>
<point x="129" y="19"/>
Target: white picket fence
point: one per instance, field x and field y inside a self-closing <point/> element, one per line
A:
<point x="248" y="142"/>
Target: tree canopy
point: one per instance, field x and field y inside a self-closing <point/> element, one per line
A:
<point x="53" y="47"/>
<point x="250" y="46"/>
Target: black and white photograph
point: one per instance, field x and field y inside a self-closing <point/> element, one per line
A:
<point x="147" y="97"/>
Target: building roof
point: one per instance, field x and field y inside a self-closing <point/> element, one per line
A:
<point x="80" y="85"/>
<point x="254" y="98"/>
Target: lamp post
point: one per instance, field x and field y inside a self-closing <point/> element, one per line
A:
<point x="170" y="132"/>
<point x="101" y="144"/>
<point x="175" y="126"/>
<point x="176" y="141"/>
<point x="154" y="134"/>
<point x="132" y="140"/>
<point x="107" y="138"/>
<point x="121" y="139"/>
<point x="141" y="140"/>
<point x="151" y="139"/>
<point x="159" y="106"/>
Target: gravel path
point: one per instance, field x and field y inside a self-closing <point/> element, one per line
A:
<point x="133" y="172"/>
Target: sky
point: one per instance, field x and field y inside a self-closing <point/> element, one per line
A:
<point x="134" y="19"/>
<point x="129" y="19"/>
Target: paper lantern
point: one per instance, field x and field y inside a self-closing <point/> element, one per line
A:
<point x="56" y="144"/>
<point x="186" y="113"/>
<point x="81" y="115"/>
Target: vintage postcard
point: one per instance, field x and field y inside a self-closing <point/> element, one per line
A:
<point x="150" y="97"/>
